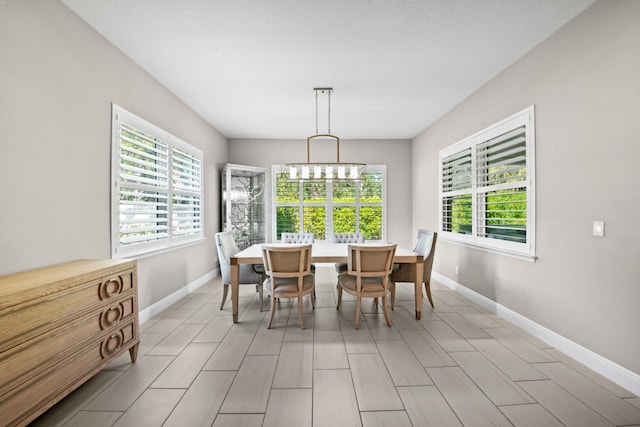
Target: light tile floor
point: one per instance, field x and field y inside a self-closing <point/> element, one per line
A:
<point x="458" y="365"/>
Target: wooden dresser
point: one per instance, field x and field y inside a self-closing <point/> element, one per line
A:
<point x="59" y="326"/>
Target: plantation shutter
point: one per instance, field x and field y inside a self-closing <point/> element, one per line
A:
<point x="487" y="187"/>
<point x="456" y="171"/>
<point x="143" y="187"/>
<point x="502" y="186"/>
<point x="456" y="192"/>
<point x="156" y="202"/>
<point x="186" y="195"/>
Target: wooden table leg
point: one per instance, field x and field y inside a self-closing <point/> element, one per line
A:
<point x="418" y="273"/>
<point x="235" y="273"/>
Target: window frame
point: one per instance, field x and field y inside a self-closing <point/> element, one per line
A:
<point x="175" y="187"/>
<point x="329" y="204"/>
<point x="526" y="250"/>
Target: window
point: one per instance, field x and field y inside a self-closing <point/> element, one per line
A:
<point x="487" y="187"/>
<point x="156" y="200"/>
<point x="330" y="207"/>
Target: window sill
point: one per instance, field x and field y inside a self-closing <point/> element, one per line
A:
<point x="512" y="254"/>
<point x="159" y="251"/>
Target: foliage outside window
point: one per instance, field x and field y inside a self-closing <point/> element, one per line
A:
<point x="156" y="200"/>
<point x="330" y="207"/>
<point x="487" y="187"/>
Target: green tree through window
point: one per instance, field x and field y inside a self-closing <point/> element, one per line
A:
<point x="324" y="208"/>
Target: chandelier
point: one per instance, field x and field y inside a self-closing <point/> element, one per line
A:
<point x="337" y="170"/>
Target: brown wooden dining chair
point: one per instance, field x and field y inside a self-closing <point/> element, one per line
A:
<point x="289" y="274"/>
<point x="353" y="238"/>
<point x="426" y="246"/>
<point x="368" y="269"/>
<point x="289" y="238"/>
<point x="299" y="239"/>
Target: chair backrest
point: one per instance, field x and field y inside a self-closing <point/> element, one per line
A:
<point x="426" y="246"/>
<point x="227" y="247"/>
<point x="370" y="261"/>
<point x="286" y="261"/>
<point x="348" y="238"/>
<point x="298" y="238"/>
<point x="426" y="239"/>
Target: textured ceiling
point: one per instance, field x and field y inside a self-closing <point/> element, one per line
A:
<point x="249" y="66"/>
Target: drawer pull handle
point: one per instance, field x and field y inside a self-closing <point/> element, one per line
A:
<point x="111" y="316"/>
<point x="112" y="344"/>
<point x="110" y="288"/>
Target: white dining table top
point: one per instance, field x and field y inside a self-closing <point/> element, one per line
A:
<point x="322" y="252"/>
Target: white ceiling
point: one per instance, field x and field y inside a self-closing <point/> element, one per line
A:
<point x="249" y="66"/>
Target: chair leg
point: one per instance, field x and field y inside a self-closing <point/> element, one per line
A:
<point x="358" y="302"/>
<point x="273" y="309"/>
<point x="300" y="311"/>
<point x="339" y="297"/>
<point x="392" y="285"/>
<point x="427" y="286"/>
<point x="260" y="293"/>
<point x="225" y="291"/>
<point x="386" y="312"/>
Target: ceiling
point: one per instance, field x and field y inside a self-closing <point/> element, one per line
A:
<point x="249" y="67"/>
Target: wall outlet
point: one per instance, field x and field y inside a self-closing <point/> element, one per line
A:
<point x="598" y="228"/>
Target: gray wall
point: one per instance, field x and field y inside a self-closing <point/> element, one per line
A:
<point x="58" y="78"/>
<point x="585" y="84"/>
<point x="395" y="154"/>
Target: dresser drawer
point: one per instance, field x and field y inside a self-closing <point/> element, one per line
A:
<point x="123" y="337"/>
<point x="49" y="311"/>
<point x="27" y="360"/>
<point x="49" y="387"/>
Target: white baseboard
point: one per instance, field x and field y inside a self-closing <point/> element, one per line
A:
<point x="608" y="369"/>
<point x="165" y="302"/>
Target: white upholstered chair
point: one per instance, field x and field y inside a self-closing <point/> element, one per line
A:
<point x="354" y="238"/>
<point x="298" y="238"/>
<point x="227" y="247"/>
<point x="426" y="246"/>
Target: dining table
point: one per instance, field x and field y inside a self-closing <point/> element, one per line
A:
<point x="325" y="253"/>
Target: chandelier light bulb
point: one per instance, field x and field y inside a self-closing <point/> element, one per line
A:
<point x="353" y="172"/>
<point x="329" y="173"/>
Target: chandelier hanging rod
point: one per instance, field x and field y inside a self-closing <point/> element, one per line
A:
<point x="324" y="170"/>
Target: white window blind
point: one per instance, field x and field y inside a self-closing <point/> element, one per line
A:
<point x="157" y="197"/>
<point x="186" y="196"/>
<point x="487" y="187"/>
<point x="456" y="184"/>
<point x="502" y="187"/>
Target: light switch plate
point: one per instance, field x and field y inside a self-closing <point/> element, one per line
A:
<point x="598" y="228"/>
